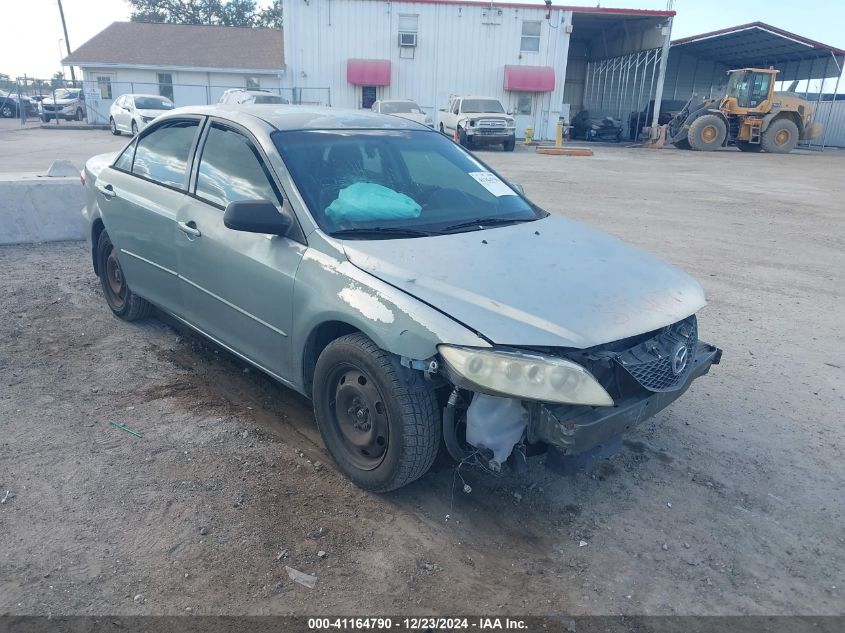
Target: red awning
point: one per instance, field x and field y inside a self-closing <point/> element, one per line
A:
<point x="529" y="78"/>
<point x="368" y="72"/>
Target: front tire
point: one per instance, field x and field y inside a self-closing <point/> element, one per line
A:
<point x="707" y="133"/>
<point x="379" y="421"/>
<point x="134" y="129"/>
<point x="121" y="300"/>
<point x="509" y="144"/>
<point x="7" y="111"/>
<point x="780" y="137"/>
<point x="113" y="127"/>
<point x="78" y="115"/>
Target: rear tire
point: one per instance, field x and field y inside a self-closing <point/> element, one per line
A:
<point x="780" y="137"/>
<point x="707" y="133"/>
<point x="745" y="146"/>
<point x="124" y="303"/>
<point x="379" y="420"/>
<point x="113" y="127"/>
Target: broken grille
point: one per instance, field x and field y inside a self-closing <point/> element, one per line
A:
<point x="650" y="362"/>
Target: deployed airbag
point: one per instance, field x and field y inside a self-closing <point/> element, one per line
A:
<point x="367" y="201"/>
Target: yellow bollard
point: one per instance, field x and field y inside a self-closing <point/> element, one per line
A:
<point x="529" y="135"/>
<point x="559" y="133"/>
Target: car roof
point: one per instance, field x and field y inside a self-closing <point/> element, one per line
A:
<point x="476" y="97"/>
<point x="303" y="117"/>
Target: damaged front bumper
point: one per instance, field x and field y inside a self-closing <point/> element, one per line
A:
<point x="577" y="429"/>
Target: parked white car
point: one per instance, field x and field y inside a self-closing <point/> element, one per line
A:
<point x="131" y="113"/>
<point x="239" y="96"/>
<point x="478" y="121"/>
<point x="403" y="108"/>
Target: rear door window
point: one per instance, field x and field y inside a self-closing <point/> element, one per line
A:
<point x="162" y="155"/>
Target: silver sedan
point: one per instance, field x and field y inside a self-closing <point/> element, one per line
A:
<point x="417" y="297"/>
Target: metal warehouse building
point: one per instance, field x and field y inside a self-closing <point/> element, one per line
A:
<point x="537" y="59"/>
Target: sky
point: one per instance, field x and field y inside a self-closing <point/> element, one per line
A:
<point x="32" y="43"/>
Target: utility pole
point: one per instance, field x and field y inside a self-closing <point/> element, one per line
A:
<point x="67" y="41"/>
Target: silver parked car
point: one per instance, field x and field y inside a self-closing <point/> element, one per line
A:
<point x="380" y="269"/>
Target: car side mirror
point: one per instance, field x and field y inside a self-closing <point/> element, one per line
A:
<point x="518" y="187"/>
<point x="257" y="216"/>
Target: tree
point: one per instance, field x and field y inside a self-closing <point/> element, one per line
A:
<point x="215" y="12"/>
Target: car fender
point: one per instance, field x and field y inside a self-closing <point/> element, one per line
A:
<point x="329" y="288"/>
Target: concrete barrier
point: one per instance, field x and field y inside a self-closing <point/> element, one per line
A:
<point x="40" y="209"/>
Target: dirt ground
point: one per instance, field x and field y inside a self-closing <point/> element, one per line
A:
<point x="731" y="501"/>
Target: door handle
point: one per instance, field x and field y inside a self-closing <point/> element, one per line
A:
<point x="189" y="228"/>
<point x="107" y="191"/>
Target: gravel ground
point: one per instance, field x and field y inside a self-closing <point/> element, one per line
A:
<point x="728" y="502"/>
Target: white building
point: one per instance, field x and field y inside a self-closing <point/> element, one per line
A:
<point x="190" y="64"/>
<point x="534" y="58"/>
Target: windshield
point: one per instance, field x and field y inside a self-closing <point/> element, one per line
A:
<point x="269" y="99"/>
<point x="396" y="107"/>
<point x="481" y="105"/>
<point x="63" y="93"/>
<point x="738" y="84"/>
<point x="395" y="179"/>
<point x="152" y="103"/>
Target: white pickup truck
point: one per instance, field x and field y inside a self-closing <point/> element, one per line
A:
<point x="478" y="121"/>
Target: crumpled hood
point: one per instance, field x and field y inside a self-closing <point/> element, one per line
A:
<point x="553" y="282"/>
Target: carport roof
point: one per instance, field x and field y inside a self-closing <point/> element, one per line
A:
<point x="194" y="46"/>
<point x="758" y="44"/>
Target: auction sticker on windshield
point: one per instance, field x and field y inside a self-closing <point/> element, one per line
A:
<point x="492" y="183"/>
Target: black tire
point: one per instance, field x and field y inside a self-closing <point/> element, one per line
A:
<point x="462" y="138"/>
<point x="780" y="137"/>
<point x="379" y="420"/>
<point x="78" y="115"/>
<point x="134" y="129"/>
<point x="745" y="146"/>
<point x="509" y="144"/>
<point x="121" y="300"/>
<point x="113" y="127"/>
<point x="442" y="129"/>
<point x="47" y="119"/>
<point x="707" y="133"/>
<point x="8" y="111"/>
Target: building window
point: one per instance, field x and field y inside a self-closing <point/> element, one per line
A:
<point x="524" y="101"/>
<point x="104" y="86"/>
<point x="165" y="85"/>
<point x="253" y="83"/>
<point x="408" y="23"/>
<point x="368" y="97"/>
<point x="530" y="42"/>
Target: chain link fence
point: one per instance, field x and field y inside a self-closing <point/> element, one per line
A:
<point x="88" y="102"/>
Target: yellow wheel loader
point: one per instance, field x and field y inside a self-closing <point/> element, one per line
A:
<point x="751" y="115"/>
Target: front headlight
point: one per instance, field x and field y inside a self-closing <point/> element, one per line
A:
<point x="526" y="376"/>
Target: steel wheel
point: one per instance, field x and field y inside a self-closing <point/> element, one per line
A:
<point x="379" y="420"/>
<point x="7" y="112"/>
<point x="709" y="133"/>
<point x="115" y="285"/>
<point x="360" y="416"/>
